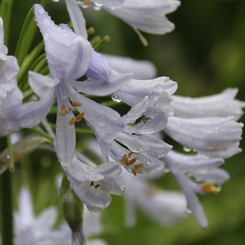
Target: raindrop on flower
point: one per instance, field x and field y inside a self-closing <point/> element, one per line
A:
<point x="186" y="149"/>
<point x="115" y="98"/>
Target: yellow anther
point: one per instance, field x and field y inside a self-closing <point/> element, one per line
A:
<point x="130" y="162"/>
<point x="137" y="166"/>
<point x="130" y="153"/>
<point x="86" y="2"/>
<point x="70" y="108"/>
<point x="134" y="172"/>
<point x="209" y="188"/>
<point x="80" y="116"/>
<point x="74" y="103"/>
<point x="73" y="121"/>
<point x="125" y="158"/>
<point x="63" y="110"/>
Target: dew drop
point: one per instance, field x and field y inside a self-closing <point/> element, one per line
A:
<point x="115" y="98"/>
<point x="186" y="149"/>
<point x="8" y="156"/>
<point x="166" y="170"/>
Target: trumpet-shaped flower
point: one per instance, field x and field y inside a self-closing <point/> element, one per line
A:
<point x="212" y="136"/>
<point x="94" y="184"/>
<point x="40" y="230"/>
<point x="163" y="207"/>
<point x="69" y="57"/>
<point x="148" y="16"/>
<point x="141" y="69"/>
<point x="219" y="105"/>
<point x="10" y="95"/>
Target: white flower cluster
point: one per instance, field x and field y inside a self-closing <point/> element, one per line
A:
<point x="77" y="73"/>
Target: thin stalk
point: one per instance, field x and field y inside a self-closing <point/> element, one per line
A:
<point x="5" y="13"/>
<point x="10" y="154"/>
<point x="6" y="210"/>
<point x="41" y="133"/>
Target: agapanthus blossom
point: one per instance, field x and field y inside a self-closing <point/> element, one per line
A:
<point x="147" y="15"/>
<point x="206" y="125"/>
<point x="10" y="95"/>
<point x="163" y="207"/>
<point x="30" y="229"/>
<point x="94" y="184"/>
<point x="69" y="57"/>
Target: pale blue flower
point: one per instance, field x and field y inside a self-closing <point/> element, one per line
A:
<point x="146" y="15"/>
<point x="219" y="105"/>
<point x="10" y="95"/>
<point x="216" y="137"/>
<point x="69" y="57"/>
<point x="162" y="206"/>
<point x="94" y="184"/>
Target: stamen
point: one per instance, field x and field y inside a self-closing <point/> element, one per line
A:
<point x="132" y="161"/>
<point x="80" y="116"/>
<point x="97" y="186"/>
<point x="134" y="172"/>
<point x="137" y="166"/>
<point x="130" y="153"/>
<point x="63" y="110"/>
<point x="73" y="121"/>
<point x="209" y="188"/>
<point x="86" y="2"/>
<point x="91" y="183"/>
<point x="125" y="158"/>
<point x="70" y="108"/>
<point x="74" y="103"/>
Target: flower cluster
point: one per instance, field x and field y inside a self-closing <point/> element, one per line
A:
<point x="131" y="144"/>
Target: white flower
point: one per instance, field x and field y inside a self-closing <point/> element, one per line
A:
<point x="31" y="230"/>
<point x="93" y="185"/>
<point x="218" y="105"/>
<point x="146" y="15"/>
<point x="141" y="69"/>
<point x="163" y="207"/>
<point x="10" y="95"/>
<point x="215" y="137"/>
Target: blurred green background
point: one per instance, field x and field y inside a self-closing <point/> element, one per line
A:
<point x="205" y="54"/>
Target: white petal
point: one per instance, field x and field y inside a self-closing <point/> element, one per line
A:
<point x="219" y="105"/>
<point x="32" y="113"/>
<point x="146" y="15"/>
<point x="102" y="86"/>
<point x="189" y="188"/>
<point x="214" y="137"/>
<point x="77" y="19"/>
<point x="141" y="69"/>
<point x="65" y="139"/>
<point x="41" y="84"/>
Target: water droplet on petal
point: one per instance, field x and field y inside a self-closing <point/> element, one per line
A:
<point x="186" y="149"/>
<point x="115" y="98"/>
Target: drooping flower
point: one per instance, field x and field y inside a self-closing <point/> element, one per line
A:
<point x="148" y="16"/>
<point x="29" y="229"/>
<point x="212" y="136"/>
<point x="39" y="230"/>
<point x="163" y="207"/>
<point x="69" y="56"/>
<point x="141" y="69"/>
<point x="10" y="95"/>
<point x="220" y="105"/>
<point x="94" y="184"/>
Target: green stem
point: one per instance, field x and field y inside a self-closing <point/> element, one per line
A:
<point x="6" y="209"/>
<point x="10" y="154"/>
<point x="5" y="12"/>
<point x="41" y="133"/>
